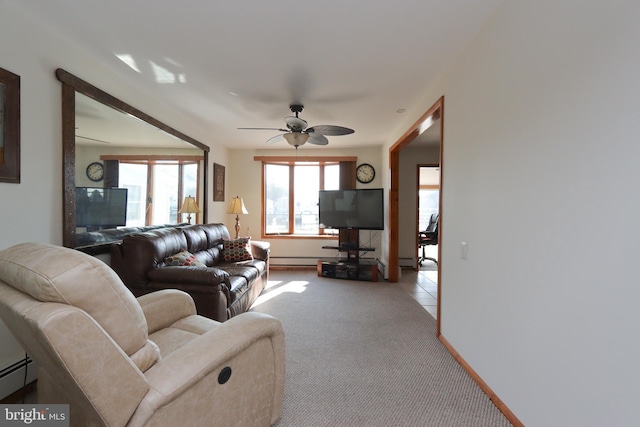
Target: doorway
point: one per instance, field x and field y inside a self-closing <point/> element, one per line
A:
<point x="433" y="117"/>
<point x="428" y="208"/>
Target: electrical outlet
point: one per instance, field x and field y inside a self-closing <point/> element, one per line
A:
<point x="463" y="250"/>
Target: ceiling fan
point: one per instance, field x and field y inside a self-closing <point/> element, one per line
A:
<point x="297" y="132"/>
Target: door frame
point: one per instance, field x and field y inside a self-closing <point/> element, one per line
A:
<point x="435" y="112"/>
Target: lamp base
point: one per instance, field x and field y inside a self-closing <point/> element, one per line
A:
<point x="237" y="226"/>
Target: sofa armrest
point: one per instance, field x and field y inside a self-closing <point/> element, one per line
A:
<point x="251" y="345"/>
<point x="260" y="250"/>
<point x="165" y="307"/>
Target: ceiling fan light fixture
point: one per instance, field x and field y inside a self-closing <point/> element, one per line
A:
<point x="296" y="138"/>
<point x="297" y="132"/>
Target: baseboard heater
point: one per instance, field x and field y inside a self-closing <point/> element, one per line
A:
<point x="300" y="261"/>
<point x="12" y="377"/>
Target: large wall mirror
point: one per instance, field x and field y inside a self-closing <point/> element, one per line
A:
<point x="108" y="146"/>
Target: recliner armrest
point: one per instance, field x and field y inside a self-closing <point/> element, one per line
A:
<point x="165" y="307"/>
<point x="175" y="379"/>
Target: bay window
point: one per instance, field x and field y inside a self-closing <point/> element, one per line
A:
<point x="291" y="186"/>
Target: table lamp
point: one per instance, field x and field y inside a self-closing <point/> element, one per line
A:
<point x="237" y="208"/>
<point x="189" y="206"/>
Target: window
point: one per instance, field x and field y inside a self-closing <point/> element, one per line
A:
<point x="157" y="187"/>
<point x="134" y="177"/>
<point x="429" y="199"/>
<point x="291" y="194"/>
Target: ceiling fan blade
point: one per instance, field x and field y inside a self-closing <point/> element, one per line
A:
<point x="330" y="130"/>
<point x="275" y="139"/>
<point x="317" y="139"/>
<point x="92" y="139"/>
<point x="280" y="130"/>
<point x="295" y="123"/>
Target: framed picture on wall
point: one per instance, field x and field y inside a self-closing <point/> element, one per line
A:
<point x="218" y="183"/>
<point x="9" y="127"/>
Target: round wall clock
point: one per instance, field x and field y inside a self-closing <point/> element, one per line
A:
<point x="95" y="171"/>
<point x="365" y="173"/>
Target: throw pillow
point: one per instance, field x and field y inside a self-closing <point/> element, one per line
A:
<point x="237" y="250"/>
<point x="183" y="258"/>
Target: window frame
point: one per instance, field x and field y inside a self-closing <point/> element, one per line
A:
<point x="321" y="161"/>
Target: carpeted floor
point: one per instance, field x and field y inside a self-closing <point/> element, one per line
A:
<point x="366" y="354"/>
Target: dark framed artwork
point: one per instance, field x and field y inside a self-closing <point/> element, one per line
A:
<point x="9" y="127"/>
<point x="218" y="183"/>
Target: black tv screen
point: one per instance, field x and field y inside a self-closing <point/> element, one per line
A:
<point x="101" y="207"/>
<point x="355" y="209"/>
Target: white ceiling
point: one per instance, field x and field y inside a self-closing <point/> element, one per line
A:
<point x="227" y="65"/>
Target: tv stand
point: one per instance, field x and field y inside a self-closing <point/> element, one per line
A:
<point x="350" y="266"/>
<point x="341" y="268"/>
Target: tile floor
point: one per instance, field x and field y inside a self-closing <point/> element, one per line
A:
<point x="422" y="285"/>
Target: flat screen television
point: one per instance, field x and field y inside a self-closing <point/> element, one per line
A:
<point x="352" y="209"/>
<point x="101" y="207"/>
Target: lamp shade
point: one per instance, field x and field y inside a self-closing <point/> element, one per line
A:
<point x="296" y="138"/>
<point x="237" y="206"/>
<point x="189" y="205"/>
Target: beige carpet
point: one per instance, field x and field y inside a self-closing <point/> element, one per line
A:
<point x="366" y="354"/>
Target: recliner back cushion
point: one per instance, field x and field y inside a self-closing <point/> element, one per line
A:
<point x="51" y="273"/>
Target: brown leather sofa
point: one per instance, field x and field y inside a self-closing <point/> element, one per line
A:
<point x="220" y="288"/>
<point x="118" y="360"/>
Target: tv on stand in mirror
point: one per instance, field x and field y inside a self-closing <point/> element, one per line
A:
<point x="101" y="207"/>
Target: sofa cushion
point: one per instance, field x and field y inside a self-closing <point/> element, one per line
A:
<point x="183" y="258"/>
<point x="237" y="250"/>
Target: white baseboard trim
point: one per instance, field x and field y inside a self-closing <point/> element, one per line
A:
<point x="12" y="377"/>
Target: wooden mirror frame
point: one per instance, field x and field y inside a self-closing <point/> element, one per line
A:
<point x="70" y="85"/>
<point x="10" y="127"/>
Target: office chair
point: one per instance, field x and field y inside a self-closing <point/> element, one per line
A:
<point x="428" y="237"/>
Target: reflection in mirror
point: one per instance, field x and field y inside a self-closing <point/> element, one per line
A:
<point x="157" y="169"/>
<point x="122" y="169"/>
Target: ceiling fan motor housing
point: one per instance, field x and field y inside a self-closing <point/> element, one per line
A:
<point x="296" y="108"/>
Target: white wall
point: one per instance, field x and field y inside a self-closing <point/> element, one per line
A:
<point x="244" y="179"/>
<point x="540" y="178"/>
<point x="34" y="53"/>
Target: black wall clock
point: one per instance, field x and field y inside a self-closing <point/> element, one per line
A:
<point x="365" y="173"/>
<point x="95" y="171"/>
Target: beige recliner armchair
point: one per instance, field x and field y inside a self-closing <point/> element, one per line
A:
<point x="121" y="361"/>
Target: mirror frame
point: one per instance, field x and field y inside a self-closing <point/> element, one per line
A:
<point x="70" y="85"/>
